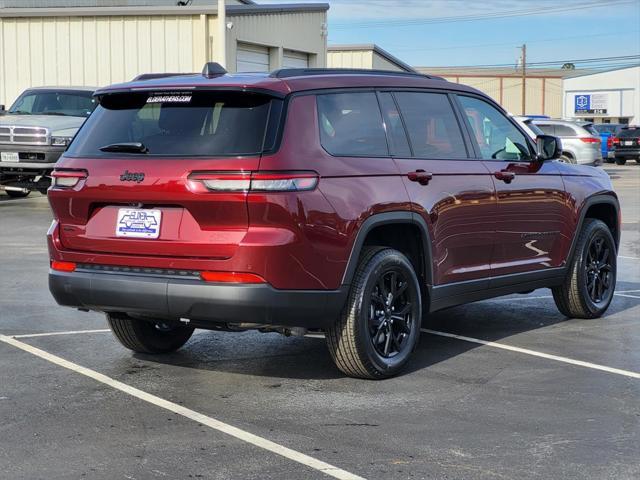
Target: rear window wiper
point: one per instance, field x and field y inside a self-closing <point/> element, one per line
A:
<point x="126" y="147"/>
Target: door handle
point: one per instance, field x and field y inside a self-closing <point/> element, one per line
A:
<point x="420" y="176"/>
<point x="505" y="175"/>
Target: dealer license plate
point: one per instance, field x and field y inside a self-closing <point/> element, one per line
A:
<point x="138" y="223"/>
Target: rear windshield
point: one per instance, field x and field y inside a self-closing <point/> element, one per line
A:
<point x="591" y="129"/>
<point x="629" y="133"/>
<point x="183" y="124"/>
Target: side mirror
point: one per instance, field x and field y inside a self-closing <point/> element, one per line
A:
<point x="548" y="147"/>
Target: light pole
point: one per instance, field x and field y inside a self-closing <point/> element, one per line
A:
<point x="222" y="34"/>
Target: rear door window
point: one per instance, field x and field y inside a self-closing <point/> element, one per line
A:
<point x="432" y="126"/>
<point x="398" y="143"/>
<point x="547" y="129"/>
<point x="497" y="138"/>
<point x="565" y="131"/>
<point x="351" y="125"/>
<point x="185" y="124"/>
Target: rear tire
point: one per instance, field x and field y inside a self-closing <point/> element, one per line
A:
<point x="15" y="194"/>
<point x="621" y="161"/>
<point x="379" y="326"/>
<point x="144" y="336"/>
<point x="588" y="288"/>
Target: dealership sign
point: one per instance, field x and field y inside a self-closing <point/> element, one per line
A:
<point x="591" y="104"/>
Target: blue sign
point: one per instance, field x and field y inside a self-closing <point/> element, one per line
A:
<point x="583" y="103"/>
<point x="590" y="104"/>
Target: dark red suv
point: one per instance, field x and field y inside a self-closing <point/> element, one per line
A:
<point x="348" y="202"/>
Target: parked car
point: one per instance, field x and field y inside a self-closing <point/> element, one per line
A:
<point x="627" y="145"/>
<point x="350" y="202"/>
<point x="580" y="143"/>
<point x="34" y="133"/>
<point x="528" y="126"/>
<point x="608" y="131"/>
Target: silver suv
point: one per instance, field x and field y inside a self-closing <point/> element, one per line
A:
<point x="581" y="143"/>
<point x="34" y="133"/>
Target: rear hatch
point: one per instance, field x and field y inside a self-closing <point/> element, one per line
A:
<point x="628" y="139"/>
<point x="167" y="173"/>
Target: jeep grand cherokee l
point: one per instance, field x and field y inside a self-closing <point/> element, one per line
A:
<point x="348" y="202"/>
<point x="34" y="133"/>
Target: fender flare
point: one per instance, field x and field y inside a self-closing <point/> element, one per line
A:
<point x="596" y="199"/>
<point x="390" y="218"/>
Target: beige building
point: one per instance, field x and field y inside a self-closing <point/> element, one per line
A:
<point x="364" y="56"/>
<point x="96" y="46"/>
<point x="543" y="91"/>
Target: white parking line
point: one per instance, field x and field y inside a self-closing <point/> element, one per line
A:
<point x="580" y="363"/>
<point x="211" y="422"/>
<point x="628" y="258"/>
<point x="623" y="293"/>
<point x="68" y="332"/>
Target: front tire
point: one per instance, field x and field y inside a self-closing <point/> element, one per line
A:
<point x="379" y="327"/>
<point x="145" y="336"/>
<point x="588" y="289"/>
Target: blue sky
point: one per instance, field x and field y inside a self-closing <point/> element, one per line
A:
<point x="414" y="30"/>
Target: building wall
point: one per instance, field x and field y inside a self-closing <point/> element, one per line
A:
<point x="350" y="59"/>
<point x="105" y="49"/>
<point x="381" y="63"/>
<point x="620" y="89"/>
<point x="543" y="94"/>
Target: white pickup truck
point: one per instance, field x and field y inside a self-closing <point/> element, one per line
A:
<point x="35" y="131"/>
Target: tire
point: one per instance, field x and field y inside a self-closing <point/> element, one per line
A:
<point x="567" y="159"/>
<point x="621" y="161"/>
<point x="369" y="340"/>
<point x="144" y="336"/>
<point x="15" y="194"/>
<point x="637" y="160"/>
<point x="609" y="160"/>
<point x="575" y="297"/>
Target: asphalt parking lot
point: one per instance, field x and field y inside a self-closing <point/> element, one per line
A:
<point x="506" y="388"/>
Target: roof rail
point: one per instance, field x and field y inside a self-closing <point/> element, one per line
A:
<point x="152" y="76"/>
<point x="303" y="72"/>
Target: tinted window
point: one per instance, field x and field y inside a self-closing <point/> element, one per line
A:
<point x="351" y="125"/>
<point x="46" y="102"/>
<point x="432" y="126"/>
<point x="565" y="131"/>
<point x="547" y="129"/>
<point x="590" y="128"/>
<point x="497" y="138"/>
<point x="629" y="133"/>
<point x="398" y="142"/>
<point x="194" y="124"/>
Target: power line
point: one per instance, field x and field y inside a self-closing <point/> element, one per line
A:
<point x="514" y="44"/>
<point x="588" y="61"/>
<point x="486" y="16"/>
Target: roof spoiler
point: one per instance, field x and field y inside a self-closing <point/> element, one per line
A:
<point x="211" y="69"/>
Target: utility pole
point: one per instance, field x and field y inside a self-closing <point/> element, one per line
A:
<point x="524" y="79"/>
<point x="222" y="33"/>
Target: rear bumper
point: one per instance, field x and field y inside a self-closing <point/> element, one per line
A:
<point x="627" y="153"/>
<point x="202" y="302"/>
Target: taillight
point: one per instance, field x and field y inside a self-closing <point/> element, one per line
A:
<point x="67" y="178"/>
<point x="252" y="182"/>
<point x="590" y="140"/>
<point x="63" y="266"/>
<point x="616" y="141"/>
<point x="231" y="277"/>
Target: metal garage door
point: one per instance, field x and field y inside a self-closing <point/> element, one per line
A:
<point x="252" y="58"/>
<point x="293" y="59"/>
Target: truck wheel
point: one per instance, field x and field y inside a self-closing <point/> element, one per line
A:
<point x="621" y="161"/>
<point x="588" y="288"/>
<point x="147" y="337"/>
<point x="17" y="194"/>
<point x="379" y="326"/>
